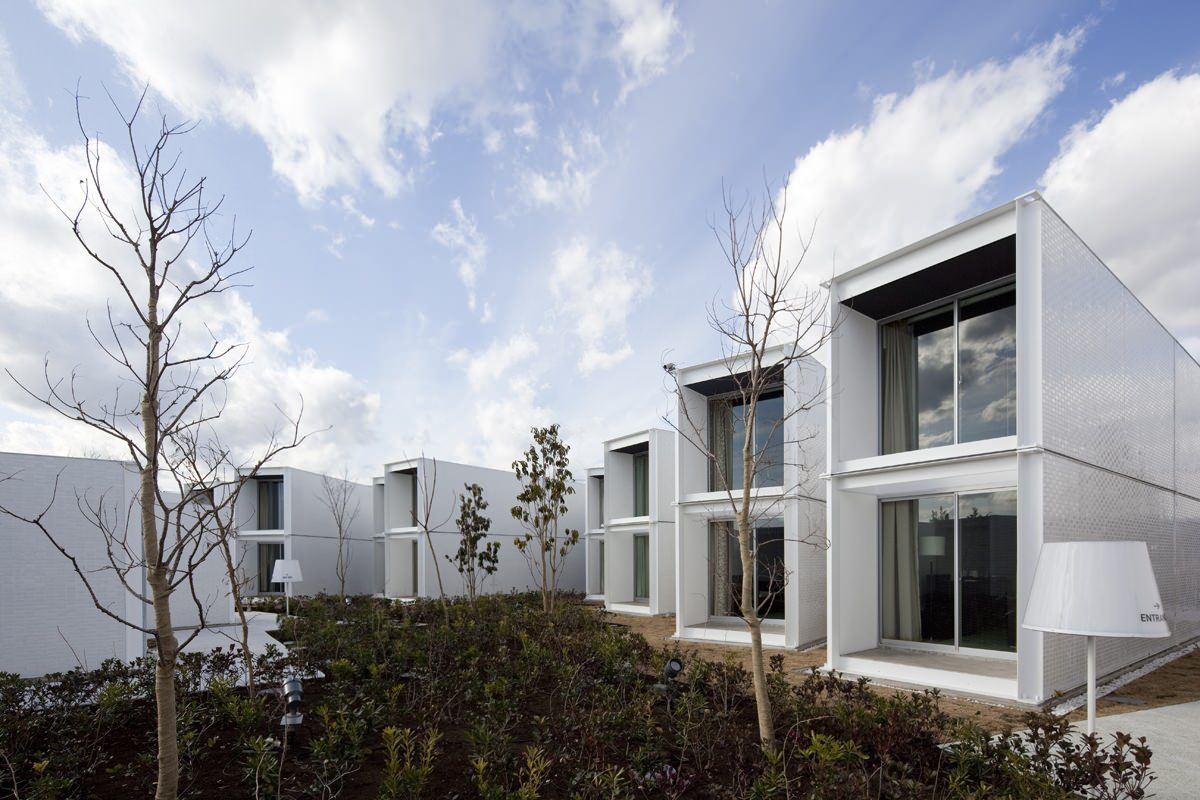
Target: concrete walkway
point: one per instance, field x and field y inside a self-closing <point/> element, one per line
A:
<point x="259" y="622"/>
<point x="1173" y="734"/>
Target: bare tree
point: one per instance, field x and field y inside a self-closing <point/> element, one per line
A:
<point x="426" y="478"/>
<point x="770" y="330"/>
<point x="165" y="264"/>
<point x="339" y="495"/>
<point x="546" y="482"/>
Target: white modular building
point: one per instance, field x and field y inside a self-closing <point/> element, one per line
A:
<point x="787" y="508"/>
<point x="283" y="513"/>
<point x="593" y="532"/>
<point x="639" y="523"/>
<point x="993" y="387"/>
<point x="422" y="494"/>
<point x="48" y="619"/>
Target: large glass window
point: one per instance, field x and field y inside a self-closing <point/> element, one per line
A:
<point x="270" y="504"/>
<point x="268" y="554"/>
<point x="725" y="570"/>
<point x="641" y="566"/>
<point x="601" y="548"/>
<point x="641" y="484"/>
<point x="727" y="417"/>
<point x="948" y="570"/>
<point x="949" y="374"/>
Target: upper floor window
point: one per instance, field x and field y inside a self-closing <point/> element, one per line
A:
<point x="270" y="504"/>
<point x="949" y="373"/>
<point x="641" y="484"/>
<point x="727" y="421"/>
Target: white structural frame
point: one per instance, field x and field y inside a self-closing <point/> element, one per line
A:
<point x="624" y="527"/>
<point x="593" y="532"/>
<point x="1082" y="343"/>
<point x="798" y="503"/>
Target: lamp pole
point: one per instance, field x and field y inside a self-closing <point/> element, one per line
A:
<point x="1091" y="684"/>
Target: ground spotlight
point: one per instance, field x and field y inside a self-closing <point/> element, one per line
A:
<point x="293" y="693"/>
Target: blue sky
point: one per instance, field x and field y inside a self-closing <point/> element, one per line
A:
<point x="471" y="219"/>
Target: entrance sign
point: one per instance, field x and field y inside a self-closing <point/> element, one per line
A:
<point x="287" y="572"/>
<point x="1095" y="589"/>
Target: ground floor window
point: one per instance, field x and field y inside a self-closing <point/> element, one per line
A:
<point x="948" y="570"/>
<point x="600" y="545"/>
<point x="641" y="566"/>
<point x="268" y="554"/>
<point x="725" y="569"/>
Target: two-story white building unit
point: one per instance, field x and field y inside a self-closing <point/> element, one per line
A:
<point x="993" y="387"/>
<point x="282" y="513"/>
<point x="593" y="532"/>
<point x="639" y="523"/>
<point x="408" y="564"/>
<point x="787" y="509"/>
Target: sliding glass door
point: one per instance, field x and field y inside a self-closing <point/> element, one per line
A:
<point x="268" y="554"/>
<point x="641" y="566"/>
<point x="725" y="570"/>
<point x="948" y="571"/>
<point x="949" y="374"/>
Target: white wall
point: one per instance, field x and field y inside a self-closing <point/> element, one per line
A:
<point x="45" y="610"/>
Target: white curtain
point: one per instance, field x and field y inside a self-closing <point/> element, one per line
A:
<point x="901" y="572"/>
<point x="899" y="389"/>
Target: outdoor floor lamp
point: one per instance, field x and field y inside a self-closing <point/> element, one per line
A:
<point x="1095" y="589"/>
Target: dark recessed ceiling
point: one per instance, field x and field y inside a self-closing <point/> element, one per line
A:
<point x="950" y="277"/>
<point x="634" y="449"/>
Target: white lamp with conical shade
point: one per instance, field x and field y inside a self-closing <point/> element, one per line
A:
<point x="1095" y="589"/>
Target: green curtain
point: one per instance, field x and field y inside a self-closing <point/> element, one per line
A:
<point x="641" y="484"/>
<point x="719" y="594"/>
<point x="899" y="389"/>
<point x="720" y="428"/>
<point x="641" y="566"/>
<point x="268" y="554"/>
<point x="901" y="572"/>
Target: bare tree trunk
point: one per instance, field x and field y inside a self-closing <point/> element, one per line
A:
<point x="235" y="591"/>
<point x="758" y="673"/>
<point x="158" y="577"/>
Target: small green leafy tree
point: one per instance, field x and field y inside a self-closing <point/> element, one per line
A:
<point x="546" y="481"/>
<point x="474" y="563"/>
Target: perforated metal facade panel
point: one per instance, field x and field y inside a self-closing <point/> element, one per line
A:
<point x="1108" y="366"/>
<point x="1121" y="396"/>
<point x="1187" y="423"/>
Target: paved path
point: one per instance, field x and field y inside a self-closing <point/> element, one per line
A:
<point x="1173" y="733"/>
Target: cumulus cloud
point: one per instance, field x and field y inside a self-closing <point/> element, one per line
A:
<point x="596" y="287"/>
<point x="51" y="290"/>
<point x="340" y="93"/>
<point x="1126" y="182"/>
<point x="650" y="39"/>
<point x="569" y="186"/>
<point x="461" y="235"/>
<point x="506" y="401"/>
<point x="923" y="160"/>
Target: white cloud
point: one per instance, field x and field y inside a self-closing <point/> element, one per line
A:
<point x="924" y="159"/>
<point x="461" y="235"/>
<point x="51" y="288"/>
<point x="596" y="288"/>
<point x="1126" y="182"/>
<point x="350" y="207"/>
<point x="650" y="40"/>
<point x="485" y="368"/>
<point x="570" y="185"/>
<point x="340" y="92"/>
<point x="1112" y="82"/>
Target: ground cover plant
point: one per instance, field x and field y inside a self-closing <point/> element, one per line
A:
<point x="505" y="701"/>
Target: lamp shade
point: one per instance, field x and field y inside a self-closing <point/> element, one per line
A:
<point x="287" y="570"/>
<point x="1096" y="589"/>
